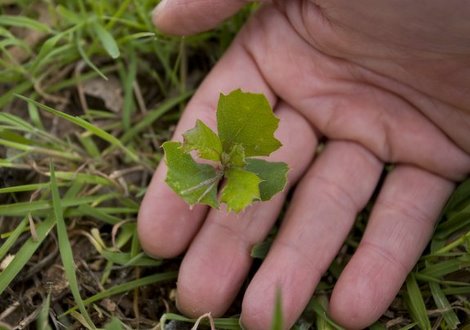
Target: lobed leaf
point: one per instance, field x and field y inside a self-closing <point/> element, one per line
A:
<point x="241" y="189"/>
<point x="195" y="183"/>
<point x="202" y="139"/>
<point x="273" y="176"/>
<point x="248" y="120"/>
<point x="246" y="126"/>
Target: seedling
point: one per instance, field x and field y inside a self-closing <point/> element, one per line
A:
<point x="246" y="126"/>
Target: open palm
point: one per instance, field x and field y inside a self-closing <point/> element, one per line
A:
<point x="376" y="93"/>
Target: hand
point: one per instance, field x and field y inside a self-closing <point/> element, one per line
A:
<point x="381" y="82"/>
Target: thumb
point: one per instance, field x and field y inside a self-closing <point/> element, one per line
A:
<point x="184" y="17"/>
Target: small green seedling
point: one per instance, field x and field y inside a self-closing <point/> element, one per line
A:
<point x="246" y="126"/>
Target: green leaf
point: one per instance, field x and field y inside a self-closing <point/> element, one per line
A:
<point x="241" y="189"/>
<point x="246" y="126"/>
<point x="274" y="176"/>
<point x="107" y="40"/>
<point x="277" y="322"/>
<point x="202" y="139"/>
<point x="247" y="119"/>
<point x="236" y="157"/>
<point x="195" y="183"/>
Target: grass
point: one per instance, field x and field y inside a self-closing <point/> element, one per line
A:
<point x="68" y="229"/>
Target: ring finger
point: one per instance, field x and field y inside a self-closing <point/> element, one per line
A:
<point x="320" y="215"/>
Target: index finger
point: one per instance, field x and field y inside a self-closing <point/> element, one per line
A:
<point x="183" y="17"/>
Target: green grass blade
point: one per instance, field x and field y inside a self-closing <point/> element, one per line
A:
<point x="7" y="97"/>
<point x="23" y="22"/>
<point x="135" y="36"/>
<point x="98" y="214"/>
<point x="22" y="188"/>
<point x="90" y="146"/>
<point x="416" y="303"/>
<point x="229" y="323"/>
<point x="11" y="240"/>
<point x="127" y="260"/>
<point x="42" y="323"/>
<point x="460" y="198"/>
<point x="86" y="125"/>
<point x="65" y="249"/>
<point x="409" y="326"/>
<point x="107" y="40"/>
<point x="34" y="116"/>
<point x="457" y="291"/>
<point x="24" y="208"/>
<point x="25" y="253"/>
<point x="322" y="322"/>
<point x="114" y="324"/>
<point x="39" y="150"/>
<point x="128" y="74"/>
<point x="277" y="322"/>
<point x="68" y="15"/>
<point x="443" y="304"/>
<point x="126" y="287"/>
<point x="22" y="125"/>
<point x="85" y="57"/>
<point x="153" y="115"/>
<point x="83" y="178"/>
<point x="445" y="267"/>
<point x="377" y="326"/>
<point x="320" y="312"/>
<point x="121" y="10"/>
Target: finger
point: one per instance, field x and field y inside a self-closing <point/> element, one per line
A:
<point x="322" y="211"/>
<point x="166" y="225"/>
<point x="218" y="260"/>
<point x="394" y="130"/>
<point x="184" y="17"/>
<point x="399" y="228"/>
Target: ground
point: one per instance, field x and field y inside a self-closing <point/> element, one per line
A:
<point x="91" y="88"/>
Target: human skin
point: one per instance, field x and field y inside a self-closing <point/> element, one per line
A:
<point x="379" y="81"/>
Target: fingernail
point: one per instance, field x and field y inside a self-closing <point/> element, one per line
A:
<point x="159" y="8"/>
